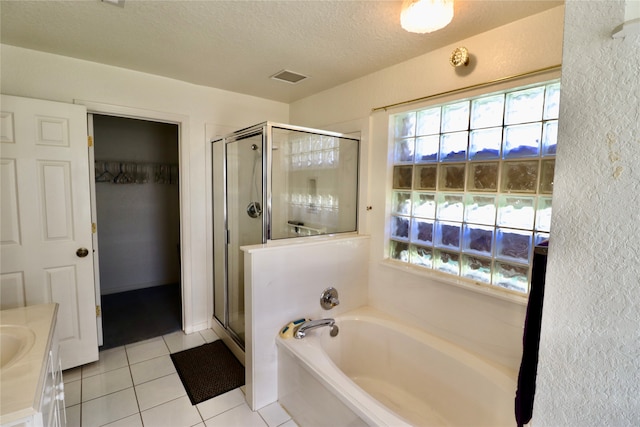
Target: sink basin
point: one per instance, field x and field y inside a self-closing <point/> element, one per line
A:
<point x="15" y="342"/>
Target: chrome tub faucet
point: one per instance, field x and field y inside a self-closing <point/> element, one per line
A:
<point x="301" y="330"/>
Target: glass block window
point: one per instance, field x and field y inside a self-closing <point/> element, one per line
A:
<point x="472" y="184"/>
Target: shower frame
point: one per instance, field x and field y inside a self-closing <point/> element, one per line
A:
<point x="265" y="129"/>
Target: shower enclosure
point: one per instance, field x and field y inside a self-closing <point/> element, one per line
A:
<point x="274" y="181"/>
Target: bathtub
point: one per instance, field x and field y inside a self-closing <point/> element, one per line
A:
<point x="381" y="372"/>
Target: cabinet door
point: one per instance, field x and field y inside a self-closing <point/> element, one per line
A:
<point x="52" y="403"/>
<point x="47" y="402"/>
<point x="61" y="411"/>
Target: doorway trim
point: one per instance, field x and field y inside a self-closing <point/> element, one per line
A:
<point x="185" y="201"/>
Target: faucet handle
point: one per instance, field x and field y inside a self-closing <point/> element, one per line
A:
<point x="329" y="298"/>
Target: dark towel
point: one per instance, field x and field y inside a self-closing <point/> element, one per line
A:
<point x="531" y="340"/>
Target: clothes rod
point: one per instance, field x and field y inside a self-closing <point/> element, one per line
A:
<point x="475" y="86"/>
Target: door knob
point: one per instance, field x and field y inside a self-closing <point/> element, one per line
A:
<point x="82" y="252"/>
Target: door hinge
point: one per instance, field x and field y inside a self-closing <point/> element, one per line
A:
<point x="94" y="227"/>
<point x="98" y="311"/>
<point x="90" y="141"/>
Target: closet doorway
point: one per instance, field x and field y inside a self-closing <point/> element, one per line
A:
<point x="137" y="206"/>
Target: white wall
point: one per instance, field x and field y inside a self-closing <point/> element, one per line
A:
<point x="139" y="223"/>
<point x="487" y="325"/>
<point x="284" y="281"/>
<point x="35" y="74"/>
<point x="589" y="367"/>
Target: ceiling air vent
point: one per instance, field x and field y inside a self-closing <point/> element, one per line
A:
<point x="288" y="76"/>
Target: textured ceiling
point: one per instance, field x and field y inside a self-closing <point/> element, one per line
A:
<point x="238" y="45"/>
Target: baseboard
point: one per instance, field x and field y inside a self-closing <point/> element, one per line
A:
<point x="189" y="329"/>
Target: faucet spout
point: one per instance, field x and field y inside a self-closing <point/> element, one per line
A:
<point x="301" y="330"/>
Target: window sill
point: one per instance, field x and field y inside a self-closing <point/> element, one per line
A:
<point x="467" y="284"/>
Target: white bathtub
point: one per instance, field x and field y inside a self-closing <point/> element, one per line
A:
<point x="381" y="372"/>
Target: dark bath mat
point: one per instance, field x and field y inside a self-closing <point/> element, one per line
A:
<point x="208" y="371"/>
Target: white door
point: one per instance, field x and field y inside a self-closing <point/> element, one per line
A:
<point x="45" y="218"/>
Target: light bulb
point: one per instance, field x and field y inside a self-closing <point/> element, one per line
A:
<point x="425" y="16"/>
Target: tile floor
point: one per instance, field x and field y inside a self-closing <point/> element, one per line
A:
<point x="137" y="385"/>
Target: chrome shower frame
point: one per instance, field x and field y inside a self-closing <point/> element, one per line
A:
<point x="266" y="130"/>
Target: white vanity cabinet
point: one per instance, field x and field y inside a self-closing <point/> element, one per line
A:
<point x="52" y="410"/>
<point x="31" y="384"/>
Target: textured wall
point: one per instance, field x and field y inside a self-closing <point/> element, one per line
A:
<point x="590" y="348"/>
<point x="518" y="47"/>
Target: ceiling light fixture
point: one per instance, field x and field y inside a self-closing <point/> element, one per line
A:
<point x="425" y="16"/>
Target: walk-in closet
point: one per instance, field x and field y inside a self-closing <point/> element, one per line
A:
<point x="138" y="228"/>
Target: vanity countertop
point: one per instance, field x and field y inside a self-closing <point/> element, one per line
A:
<point x="21" y="382"/>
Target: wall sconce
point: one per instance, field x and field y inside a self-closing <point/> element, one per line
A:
<point x="425" y="16"/>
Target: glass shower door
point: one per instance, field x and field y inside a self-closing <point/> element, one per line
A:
<point x="245" y="204"/>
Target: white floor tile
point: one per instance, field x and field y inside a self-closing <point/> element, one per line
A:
<point x="132" y="421"/>
<point x="159" y="391"/>
<point x="73" y="416"/>
<point x="274" y="415"/>
<point x="240" y="416"/>
<point x="109" y="408"/>
<point x="103" y="384"/>
<point x="176" y="413"/>
<point x="152" y="369"/>
<point x="142" y="377"/>
<point x="179" y="341"/>
<point x="109" y="360"/>
<point x="71" y="375"/>
<point x="145" y="350"/>
<point x="209" y="335"/>
<point x="289" y="423"/>
<point x="72" y="393"/>
<point x="219" y="404"/>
